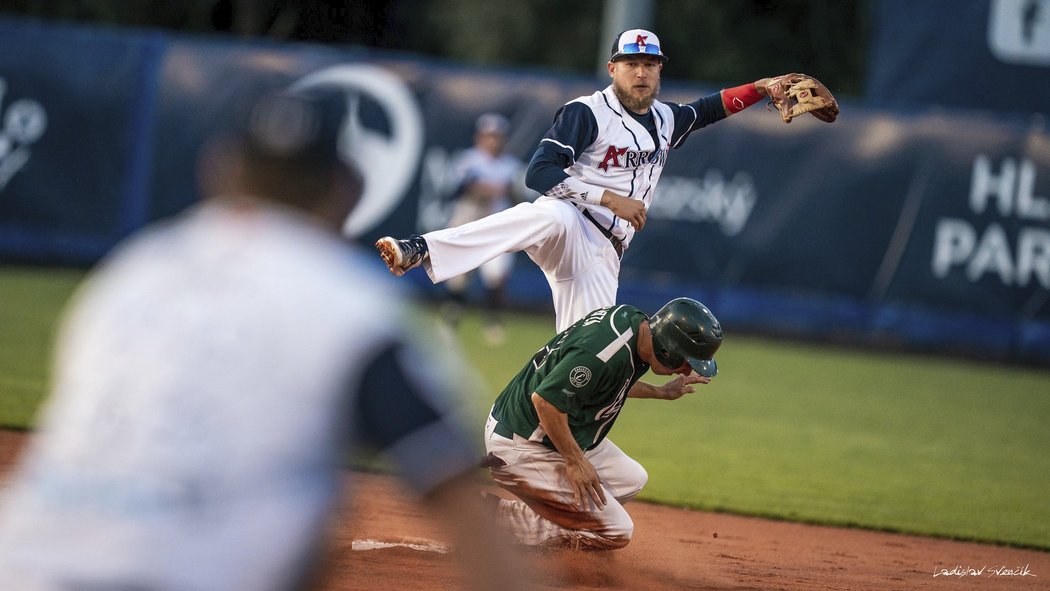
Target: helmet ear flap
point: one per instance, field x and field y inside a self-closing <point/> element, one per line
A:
<point x="685" y="330"/>
<point x="666" y="357"/>
<point x="662" y="355"/>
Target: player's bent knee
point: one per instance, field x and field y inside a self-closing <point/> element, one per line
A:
<point x="620" y="535"/>
<point x="616" y="528"/>
<point x="640" y="476"/>
<point x="633" y="479"/>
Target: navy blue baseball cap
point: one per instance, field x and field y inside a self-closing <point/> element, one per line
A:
<point x="295" y="129"/>
<point x="493" y="123"/>
<point x="636" y="42"/>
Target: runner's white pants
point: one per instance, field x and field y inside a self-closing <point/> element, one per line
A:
<point x="546" y="515"/>
<point x="578" y="260"/>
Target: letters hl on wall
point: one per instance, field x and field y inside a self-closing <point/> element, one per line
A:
<point x="1007" y="190"/>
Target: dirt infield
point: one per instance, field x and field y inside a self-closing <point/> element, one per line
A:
<point x="672" y="549"/>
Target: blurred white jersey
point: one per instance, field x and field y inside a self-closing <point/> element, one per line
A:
<point x="208" y="380"/>
<point x="475" y="165"/>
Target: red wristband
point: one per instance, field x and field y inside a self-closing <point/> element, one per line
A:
<point x="739" y="98"/>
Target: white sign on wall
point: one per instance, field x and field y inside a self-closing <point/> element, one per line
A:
<point x="1019" y="31"/>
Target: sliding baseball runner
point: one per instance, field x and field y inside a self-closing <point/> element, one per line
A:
<point x="547" y="436"/>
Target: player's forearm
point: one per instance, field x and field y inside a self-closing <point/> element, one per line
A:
<point x="577" y="191"/>
<point x="546" y="175"/>
<point x="579" y="472"/>
<point x="544" y="171"/>
<point x="547" y="179"/>
<point x="738" y="98"/>
<point x="672" y="390"/>
<point x="555" y="424"/>
<point x="644" y="390"/>
<point x="611" y="200"/>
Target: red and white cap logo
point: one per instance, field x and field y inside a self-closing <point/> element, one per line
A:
<point x="637" y="42"/>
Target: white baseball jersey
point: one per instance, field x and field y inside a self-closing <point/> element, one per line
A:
<point x="208" y="380"/>
<point x="475" y="165"/>
<point x="624" y="157"/>
<point x="478" y="165"/>
<point x="595" y="144"/>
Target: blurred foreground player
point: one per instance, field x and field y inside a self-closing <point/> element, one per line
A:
<point x="211" y="377"/>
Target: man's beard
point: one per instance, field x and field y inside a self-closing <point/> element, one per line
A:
<point x="633" y="103"/>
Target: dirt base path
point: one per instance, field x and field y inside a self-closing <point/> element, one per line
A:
<point x="672" y="549"/>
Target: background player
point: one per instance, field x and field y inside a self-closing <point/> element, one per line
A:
<point x="597" y="169"/>
<point x="485" y="185"/>
<point x="211" y="378"/>
<point x="547" y="434"/>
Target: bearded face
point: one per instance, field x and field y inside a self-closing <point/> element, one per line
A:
<point x="636" y="81"/>
<point x="635" y="97"/>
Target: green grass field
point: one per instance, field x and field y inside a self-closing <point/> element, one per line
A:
<point x="791" y="431"/>
<point x="30" y="300"/>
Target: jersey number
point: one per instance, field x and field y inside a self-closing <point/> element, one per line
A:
<point x="541" y="356"/>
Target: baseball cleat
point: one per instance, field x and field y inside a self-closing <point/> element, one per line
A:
<point x="490" y="502"/>
<point x="402" y="255"/>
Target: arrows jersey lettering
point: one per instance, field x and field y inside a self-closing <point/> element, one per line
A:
<point x="618" y="157"/>
<point x="612" y="156"/>
<point x="597" y="140"/>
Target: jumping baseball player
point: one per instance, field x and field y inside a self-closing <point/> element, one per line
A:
<point x="596" y="169"/>
<point x="547" y="435"/>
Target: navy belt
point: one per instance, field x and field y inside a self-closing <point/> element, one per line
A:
<point x="616" y="242"/>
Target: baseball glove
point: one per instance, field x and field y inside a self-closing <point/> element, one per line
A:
<point x="795" y="94"/>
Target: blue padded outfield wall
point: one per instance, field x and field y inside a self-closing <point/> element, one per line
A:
<point x="929" y="229"/>
<point x="970" y="54"/>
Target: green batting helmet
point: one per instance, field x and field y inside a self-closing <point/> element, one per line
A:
<point x="685" y="330"/>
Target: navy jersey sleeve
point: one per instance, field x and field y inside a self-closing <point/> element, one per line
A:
<point x="692" y="116"/>
<point x="574" y="129"/>
<point x="396" y="411"/>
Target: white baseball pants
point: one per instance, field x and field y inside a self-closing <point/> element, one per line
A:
<point x="579" y="262"/>
<point x="546" y="515"/>
<point x="493" y="273"/>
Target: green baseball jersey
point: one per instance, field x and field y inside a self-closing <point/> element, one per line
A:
<point x="585" y="371"/>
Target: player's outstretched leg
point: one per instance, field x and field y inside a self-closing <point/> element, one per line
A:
<point x="402" y="255"/>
